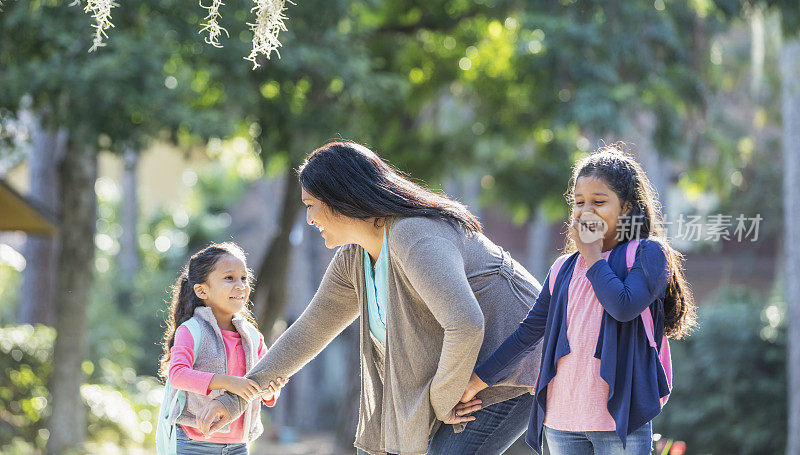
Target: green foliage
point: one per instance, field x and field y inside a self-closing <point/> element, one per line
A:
<point x="10" y="280"/>
<point x="121" y="405"/>
<point x="26" y="364"/>
<point x="511" y="88"/>
<point x="12" y="138"/>
<point x="517" y="90"/>
<point x="730" y="379"/>
<point x="119" y="90"/>
<point x="741" y="163"/>
<point x="578" y="71"/>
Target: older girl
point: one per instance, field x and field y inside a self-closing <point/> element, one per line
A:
<point x="601" y="380"/>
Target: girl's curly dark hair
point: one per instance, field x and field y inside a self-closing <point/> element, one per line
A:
<point x="627" y="179"/>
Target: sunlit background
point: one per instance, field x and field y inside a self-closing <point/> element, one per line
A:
<point x="116" y="165"/>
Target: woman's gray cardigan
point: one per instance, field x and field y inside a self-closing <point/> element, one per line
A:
<point x="453" y="298"/>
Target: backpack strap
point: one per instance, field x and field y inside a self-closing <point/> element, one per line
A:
<point x="165" y="433"/>
<point x="664" y="354"/>
<point x="554" y="270"/>
<point x="647" y="318"/>
<point x="630" y="252"/>
<point x="194" y="329"/>
<point x="197" y="336"/>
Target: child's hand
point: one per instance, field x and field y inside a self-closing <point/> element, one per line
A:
<point x="273" y="392"/>
<point x="245" y="388"/>
<point x="588" y="234"/>
<point x="474" y="386"/>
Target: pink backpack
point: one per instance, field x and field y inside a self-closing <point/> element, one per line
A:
<point x="647" y="319"/>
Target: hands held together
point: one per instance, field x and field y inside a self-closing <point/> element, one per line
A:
<point x="215" y="416"/>
<point x="468" y="404"/>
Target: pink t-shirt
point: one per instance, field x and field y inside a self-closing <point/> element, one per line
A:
<point x="577" y="395"/>
<point x="182" y="376"/>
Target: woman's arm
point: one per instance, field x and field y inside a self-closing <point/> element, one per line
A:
<point x="333" y="308"/>
<point x="647" y="280"/>
<point x="435" y="268"/>
<point x="268" y="398"/>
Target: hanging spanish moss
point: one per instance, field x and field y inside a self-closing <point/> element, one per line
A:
<point x="100" y="11"/>
<point x="269" y="22"/>
<point x="211" y="24"/>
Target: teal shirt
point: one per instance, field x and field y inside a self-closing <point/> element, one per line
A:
<point x="376" y="291"/>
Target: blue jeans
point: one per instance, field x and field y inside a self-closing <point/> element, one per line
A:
<point x="186" y="446"/>
<point x="493" y="431"/>
<point x="640" y="442"/>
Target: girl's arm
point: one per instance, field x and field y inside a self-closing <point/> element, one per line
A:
<point x="243" y="387"/>
<point x="181" y="358"/>
<point x="182" y="376"/>
<point x="529" y="332"/>
<point x="647" y="280"/>
<point x="334" y="307"/>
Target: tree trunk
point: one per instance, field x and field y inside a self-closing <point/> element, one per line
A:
<point x="37" y="293"/>
<point x="642" y="127"/>
<point x="790" y="103"/>
<point x="757" y="50"/>
<point x="128" y="258"/>
<point x="269" y="296"/>
<point x="77" y="174"/>
<point x="346" y="419"/>
<point x="539" y="251"/>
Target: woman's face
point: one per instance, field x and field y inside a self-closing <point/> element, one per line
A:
<point x="337" y="230"/>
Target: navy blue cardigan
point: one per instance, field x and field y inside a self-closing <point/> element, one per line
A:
<point x="635" y="377"/>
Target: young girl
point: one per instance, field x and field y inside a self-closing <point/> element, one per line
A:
<point x="214" y="288"/>
<point x="601" y="382"/>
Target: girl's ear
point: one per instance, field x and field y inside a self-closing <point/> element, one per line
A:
<point x="200" y="290"/>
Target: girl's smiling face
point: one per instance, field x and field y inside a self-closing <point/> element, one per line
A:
<point x="596" y="207"/>
<point x="227" y="288"/>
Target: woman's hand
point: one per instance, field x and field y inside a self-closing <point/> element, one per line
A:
<point x="461" y="412"/>
<point x="589" y="243"/>
<point x="469" y="404"/>
<point x="214" y="413"/>
<point x="245" y="388"/>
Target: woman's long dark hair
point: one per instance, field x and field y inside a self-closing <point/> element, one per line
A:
<point x="627" y="179"/>
<point x="355" y="182"/>
<point x="184" y="300"/>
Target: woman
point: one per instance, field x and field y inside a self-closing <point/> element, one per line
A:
<point x="436" y="298"/>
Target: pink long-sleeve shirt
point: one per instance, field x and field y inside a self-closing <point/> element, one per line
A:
<point x="577" y="395"/>
<point x="182" y="376"/>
